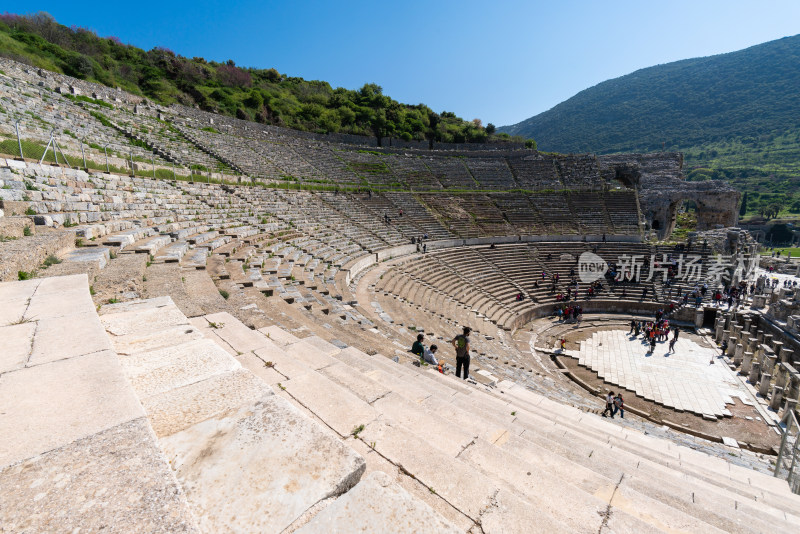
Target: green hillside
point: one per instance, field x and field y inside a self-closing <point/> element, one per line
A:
<point x="735" y="116"/>
<point x="262" y="95"/>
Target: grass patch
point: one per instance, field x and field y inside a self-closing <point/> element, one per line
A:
<point x="26" y="231"/>
<point x="50" y="260"/>
<point x="25" y="275"/>
<point x="224" y="294"/>
<point x="794" y="251"/>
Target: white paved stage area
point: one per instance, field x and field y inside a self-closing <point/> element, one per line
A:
<point x="683" y="380"/>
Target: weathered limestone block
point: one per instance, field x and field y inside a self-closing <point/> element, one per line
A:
<point x="284" y="464"/>
<point x="764" y="383"/>
<point x="747" y="363"/>
<point x="777" y="397"/>
<point x="755" y="373"/>
<point x="738" y="354"/>
<point x="377" y="505"/>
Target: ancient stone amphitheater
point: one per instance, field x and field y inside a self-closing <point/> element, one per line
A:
<point x="214" y="335"/>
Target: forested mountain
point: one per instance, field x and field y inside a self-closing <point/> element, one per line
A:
<point x="735" y="116"/>
<point x="262" y="95"/>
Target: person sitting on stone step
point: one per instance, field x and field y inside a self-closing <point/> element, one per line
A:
<point x="418" y="348"/>
<point x="430" y="355"/>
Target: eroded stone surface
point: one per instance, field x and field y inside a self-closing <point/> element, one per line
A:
<point x="174" y="410"/>
<point x="377" y="505"/>
<point x="114" y="481"/>
<point x="51" y="405"/>
<point x="157" y="371"/>
<point x="259" y="469"/>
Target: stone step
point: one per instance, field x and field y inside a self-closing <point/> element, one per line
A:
<point x="656" y="450"/>
<point x="76" y="441"/>
<point x="339" y="408"/>
<point x="612" y="463"/>
<point x="215" y="418"/>
<point x="259" y="468"/>
<point x="377" y="505"/>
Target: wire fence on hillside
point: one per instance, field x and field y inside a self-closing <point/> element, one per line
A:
<point x="68" y="150"/>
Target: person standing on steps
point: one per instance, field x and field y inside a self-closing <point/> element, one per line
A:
<point x="609" y="405"/>
<point x="461" y="344"/>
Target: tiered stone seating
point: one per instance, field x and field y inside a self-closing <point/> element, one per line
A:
<point x="535" y="174"/>
<point x="413" y="172"/>
<point x="486" y="214"/>
<point x="492" y="173"/>
<point x="591" y="215"/>
<point x="578" y="172"/>
<point x="555" y="212"/>
<point x="621" y="207"/>
<point x="451" y="173"/>
<point x="519" y="212"/>
<point x="78" y="452"/>
<point x="416" y="211"/>
<point x="451" y="210"/>
<point x="487" y="441"/>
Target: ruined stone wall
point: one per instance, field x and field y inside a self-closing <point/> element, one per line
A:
<point x="662" y="189"/>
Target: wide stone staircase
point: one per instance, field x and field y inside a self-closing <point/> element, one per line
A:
<point x="143" y="420"/>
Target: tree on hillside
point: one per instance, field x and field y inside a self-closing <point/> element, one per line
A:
<point x="743" y="209"/>
<point x="490" y="129"/>
<point x="433" y="133"/>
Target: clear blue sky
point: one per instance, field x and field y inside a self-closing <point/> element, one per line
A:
<point x="500" y="61"/>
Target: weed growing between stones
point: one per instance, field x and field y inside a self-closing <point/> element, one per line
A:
<point x="357" y="430"/>
<point x="27" y="231"/>
<point x="25" y="275"/>
<point x="50" y="260"/>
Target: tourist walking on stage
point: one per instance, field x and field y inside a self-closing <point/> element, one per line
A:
<point x="461" y="344"/>
<point x="652" y="343"/>
<point x="633" y="326"/>
<point x="672" y="344"/>
<point x="619" y="406"/>
<point x="675" y="332"/>
<point x="609" y="405"/>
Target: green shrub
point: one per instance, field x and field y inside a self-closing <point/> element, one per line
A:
<point x="24" y="275"/>
<point x="224" y="294"/>
<point x="27" y="231"/>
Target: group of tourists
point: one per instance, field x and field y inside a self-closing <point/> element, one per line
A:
<point x="460" y="343"/>
<point x="569" y="313"/>
<point x="655" y="331"/>
<point x="614" y="404"/>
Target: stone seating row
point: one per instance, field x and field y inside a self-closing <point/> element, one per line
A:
<point x="213" y="416"/>
<point x="467" y="443"/>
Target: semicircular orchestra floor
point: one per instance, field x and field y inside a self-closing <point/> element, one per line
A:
<point x="692" y="378"/>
